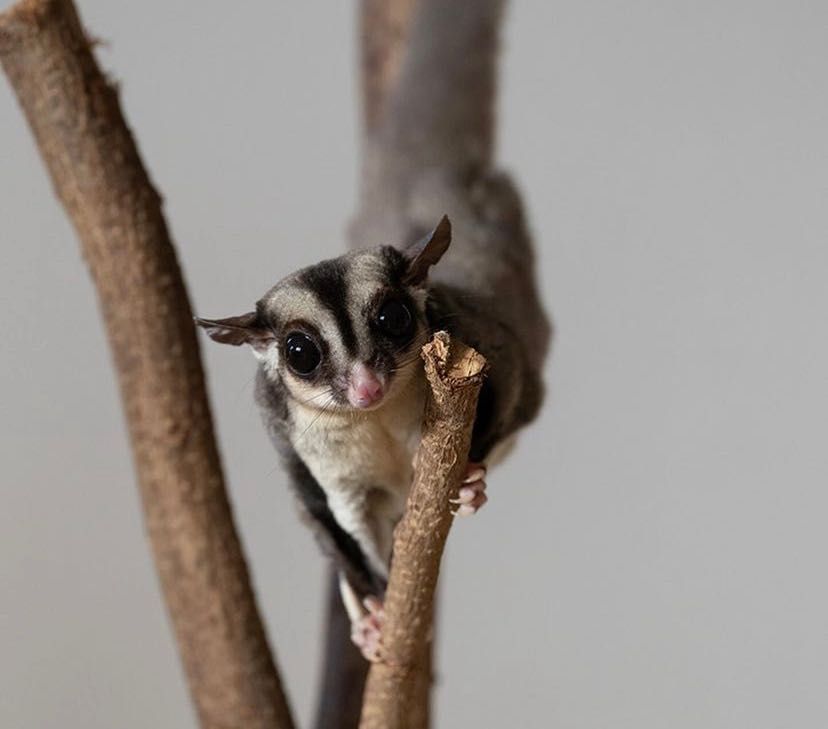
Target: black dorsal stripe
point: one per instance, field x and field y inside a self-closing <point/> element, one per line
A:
<point x="328" y="280"/>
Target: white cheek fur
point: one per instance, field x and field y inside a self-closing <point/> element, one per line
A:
<point x="269" y="358"/>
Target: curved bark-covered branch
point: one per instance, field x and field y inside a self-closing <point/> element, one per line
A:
<point x="455" y="374"/>
<point x="98" y="175"/>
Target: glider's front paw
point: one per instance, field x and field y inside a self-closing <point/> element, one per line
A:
<point x="366" y="632"/>
<point x="472" y="494"/>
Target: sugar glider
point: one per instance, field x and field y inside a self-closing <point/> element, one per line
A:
<point x="341" y="387"/>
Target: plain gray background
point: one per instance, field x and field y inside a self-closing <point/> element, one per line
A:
<point x="654" y="553"/>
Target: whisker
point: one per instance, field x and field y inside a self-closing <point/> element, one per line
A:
<point x="416" y="346"/>
<point x="319" y="415"/>
<point x="310" y="400"/>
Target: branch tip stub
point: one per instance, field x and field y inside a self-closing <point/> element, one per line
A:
<point x="452" y="363"/>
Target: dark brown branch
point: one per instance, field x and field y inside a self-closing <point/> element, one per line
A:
<point x="97" y="174"/>
<point x="455" y="374"/>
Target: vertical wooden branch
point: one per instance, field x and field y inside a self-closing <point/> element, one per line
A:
<point x="97" y="173"/>
<point x="455" y="374"/>
<point x="429" y="82"/>
<point x="384" y="26"/>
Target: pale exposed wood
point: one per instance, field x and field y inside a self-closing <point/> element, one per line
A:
<point x="97" y="173"/>
<point x="455" y="374"/>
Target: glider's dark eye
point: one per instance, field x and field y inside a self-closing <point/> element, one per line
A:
<point x="302" y="353"/>
<point x="395" y="319"/>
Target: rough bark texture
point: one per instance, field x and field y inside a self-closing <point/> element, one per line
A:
<point x="98" y="176"/>
<point x="455" y="374"/>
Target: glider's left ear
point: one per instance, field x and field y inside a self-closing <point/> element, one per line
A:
<point x="237" y="330"/>
<point x="423" y="254"/>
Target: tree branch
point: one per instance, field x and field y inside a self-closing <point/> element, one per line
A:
<point x="98" y="175"/>
<point x="384" y="27"/>
<point x="429" y="83"/>
<point x="441" y="109"/>
<point x="455" y="374"/>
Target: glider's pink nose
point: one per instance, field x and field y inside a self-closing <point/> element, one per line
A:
<point x="364" y="388"/>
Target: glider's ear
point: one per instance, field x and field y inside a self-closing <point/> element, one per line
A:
<point x="423" y="254"/>
<point x="236" y="330"/>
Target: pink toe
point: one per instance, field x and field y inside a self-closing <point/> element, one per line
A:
<point x="466" y="495"/>
<point x="467" y="508"/>
<point x="373" y="605"/>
